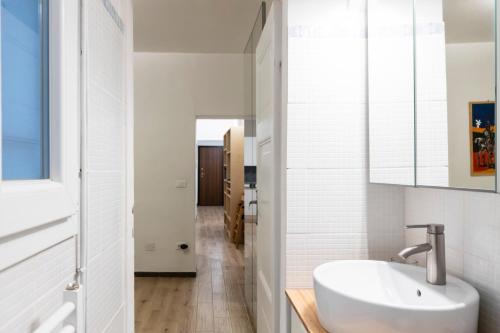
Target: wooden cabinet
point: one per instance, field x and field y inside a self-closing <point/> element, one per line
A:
<point x="233" y="180"/>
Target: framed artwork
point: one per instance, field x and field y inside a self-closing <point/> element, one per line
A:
<point x="482" y="130"/>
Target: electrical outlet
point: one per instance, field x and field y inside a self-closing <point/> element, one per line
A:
<point x="150" y="247"/>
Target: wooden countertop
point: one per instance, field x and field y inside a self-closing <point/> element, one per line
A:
<point x="304" y="303"/>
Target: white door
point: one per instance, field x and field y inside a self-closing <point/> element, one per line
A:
<point x="268" y="143"/>
<point x="104" y="132"/>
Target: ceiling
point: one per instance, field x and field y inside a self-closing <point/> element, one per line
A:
<point x="223" y="26"/>
<point x="193" y="26"/>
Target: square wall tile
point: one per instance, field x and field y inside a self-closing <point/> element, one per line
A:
<point x="472" y="231"/>
<point x="327" y="136"/>
<point x="480" y="226"/>
<point x="326" y="200"/>
<point x="319" y="73"/>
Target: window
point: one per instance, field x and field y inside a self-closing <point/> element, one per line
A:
<point x="38" y="207"/>
<point x="24" y="92"/>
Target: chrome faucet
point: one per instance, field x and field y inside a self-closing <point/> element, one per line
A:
<point x="434" y="249"/>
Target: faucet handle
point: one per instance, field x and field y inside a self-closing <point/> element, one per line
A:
<point x="431" y="228"/>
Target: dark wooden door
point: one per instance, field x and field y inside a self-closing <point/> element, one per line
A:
<point x="210" y="178"/>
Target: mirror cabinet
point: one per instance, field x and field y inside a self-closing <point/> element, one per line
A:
<point x="432" y="92"/>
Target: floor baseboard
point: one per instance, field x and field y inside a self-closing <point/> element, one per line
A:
<point x="165" y="274"/>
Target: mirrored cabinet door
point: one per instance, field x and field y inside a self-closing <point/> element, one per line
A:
<point x="455" y="93"/>
<point x="432" y="93"/>
<point x="391" y="91"/>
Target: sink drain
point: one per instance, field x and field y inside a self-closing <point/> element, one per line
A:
<point x="419" y="293"/>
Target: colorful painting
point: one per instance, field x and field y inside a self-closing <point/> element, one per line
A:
<point x="482" y="129"/>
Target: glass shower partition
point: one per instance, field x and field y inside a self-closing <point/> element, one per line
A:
<point x="250" y="152"/>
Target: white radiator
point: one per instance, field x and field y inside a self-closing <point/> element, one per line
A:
<point x="69" y="315"/>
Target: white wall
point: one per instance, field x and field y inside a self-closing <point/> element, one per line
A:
<point x="472" y="229"/>
<point x="332" y="211"/>
<point x="250" y="151"/>
<point x="214" y="129"/>
<point x="171" y="90"/>
<point x="471" y="77"/>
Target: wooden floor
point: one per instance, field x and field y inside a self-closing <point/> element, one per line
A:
<point x="211" y="303"/>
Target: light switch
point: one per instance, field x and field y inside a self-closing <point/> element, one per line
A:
<point x="181" y="183"/>
<point x="150" y="247"/>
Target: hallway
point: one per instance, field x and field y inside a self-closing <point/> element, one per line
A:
<point x="211" y="303"/>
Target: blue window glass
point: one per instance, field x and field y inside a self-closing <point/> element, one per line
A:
<point x="25" y="102"/>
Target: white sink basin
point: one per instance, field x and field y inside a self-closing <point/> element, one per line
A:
<point x="379" y="297"/>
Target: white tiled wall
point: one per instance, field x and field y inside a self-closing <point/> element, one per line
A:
<point x="391" y="87"/>
<point x="31" y="290"/>
<point x="431" y="96"/>
<point x="332" y="211"/>
<point x="472" y="229"/>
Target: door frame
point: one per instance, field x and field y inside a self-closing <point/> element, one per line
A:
<point x="278" y="10"/>
<point x="282" y="99"/>
<point x="195" y="150"/>
<point x="199" y="173"/>
<point x="129" y="169"/>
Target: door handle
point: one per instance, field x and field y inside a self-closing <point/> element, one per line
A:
<point x="256" y="203"/>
